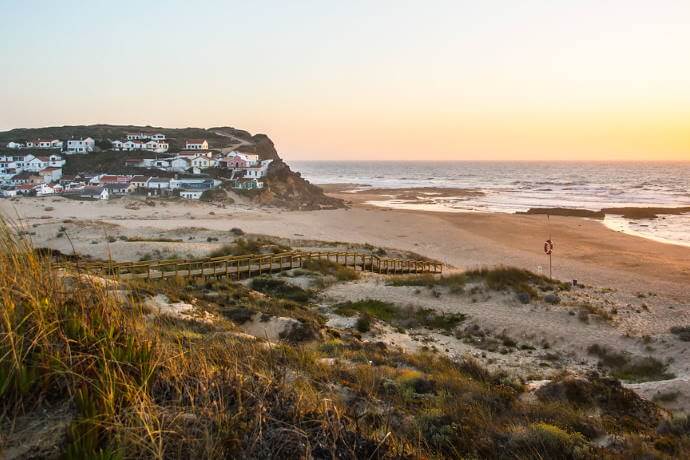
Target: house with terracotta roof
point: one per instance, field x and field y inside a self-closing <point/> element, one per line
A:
<point x="111" y="179"/>
<point x="50" y="174"/>
<point x="26" y="178"/>
<point x="25" y="189"/>
<point x="138" y="183"/>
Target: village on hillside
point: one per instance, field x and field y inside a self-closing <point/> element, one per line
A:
<point x="35" y="168"/>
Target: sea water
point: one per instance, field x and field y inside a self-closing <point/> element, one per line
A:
<point x="517" y="186"/>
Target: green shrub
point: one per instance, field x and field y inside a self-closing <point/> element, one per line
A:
<point x="330" y="268"/>
<point x="402" y="317"/>
<point x="548" y="441"/>
<point x="631" y="368"/>
<point x="499" y="278"/>
<point x="279" y="288"/>
<point x="363" y="323"/>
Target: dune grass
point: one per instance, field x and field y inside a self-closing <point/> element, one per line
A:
<point x="244" y="247"/>
<point x="135" y="386"/>
<point x="330" y="268"/>
<point x="498" y="278"/>
<point x="401" y="317"/>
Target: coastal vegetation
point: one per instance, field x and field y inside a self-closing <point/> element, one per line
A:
<point x="497" y="279"/>
<point x="401" y="317"/>
<point x="100" y="373"/>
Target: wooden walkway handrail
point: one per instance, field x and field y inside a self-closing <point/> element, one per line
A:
<point x="254" y="264"/>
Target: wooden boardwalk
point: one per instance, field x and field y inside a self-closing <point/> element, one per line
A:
<point x="237" y="267"/>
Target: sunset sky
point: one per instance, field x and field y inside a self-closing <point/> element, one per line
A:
<point x="397" y="80"/>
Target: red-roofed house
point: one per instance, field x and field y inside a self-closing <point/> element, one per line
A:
<point x="50" y="174"/>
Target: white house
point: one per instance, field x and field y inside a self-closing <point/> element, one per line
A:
<point x="137" y="183"/>
<point x="81" y="145"/>
<point x="191" y="194"/>
<point x="32" y="163"/>
<point x="194" y="183"/>
<point x="179" y="164"/>
<point x="15" y="145"/>
<point x="100" y="193"/>
<point x="201" y="162"/>
<point x="155" y="146"/>
<point x="55" y="161"/>
<point x="116" y="189"/>
<point x="196" y="144"/>
<point x="257" y="172"/>
<point x="144" y="136"/>
<point x="44" y="144"/>
<point x="155" y="163"/>
<point x="135" y="144"/>
<point x="158" y="183"/>
<point x="45" y="189"/>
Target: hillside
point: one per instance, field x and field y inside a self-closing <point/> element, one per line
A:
<point x="285" y="188"/>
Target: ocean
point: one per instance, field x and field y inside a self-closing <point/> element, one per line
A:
<point x="517" y="186"/>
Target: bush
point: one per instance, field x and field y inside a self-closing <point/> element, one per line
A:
<point x="682" y="332"/>
<point x="279" y="288"/>
<point x="406" y="317"/>
<point x="363" y="323"/>
<point x="631" y="368"/>
<point x="330" y="268"/>
<point x="455" y="283"/>
<point x="515" y="279"/>
<point x="216" y="194"/>
<point x="549" y="441"/>
<point x="244" y="247"/>
<point x="499" y="278"/>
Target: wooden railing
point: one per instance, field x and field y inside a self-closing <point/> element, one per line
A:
<point x="238" y="267"/>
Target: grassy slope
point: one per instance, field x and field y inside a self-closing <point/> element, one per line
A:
<point x="150" y="387"/>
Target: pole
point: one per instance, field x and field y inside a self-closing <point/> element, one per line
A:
<point x="548" y="220"/>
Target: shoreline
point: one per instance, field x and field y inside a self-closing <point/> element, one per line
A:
<point x="585" y="248"/>
<point x="404" y="199"/>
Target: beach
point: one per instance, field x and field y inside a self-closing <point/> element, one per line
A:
<point x="585" y="249"/>
<point x="646" y="282"/>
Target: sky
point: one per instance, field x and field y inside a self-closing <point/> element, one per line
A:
<point x="353" y="80"/>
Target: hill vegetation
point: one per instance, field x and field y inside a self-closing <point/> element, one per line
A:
<point x="285" y="188"/>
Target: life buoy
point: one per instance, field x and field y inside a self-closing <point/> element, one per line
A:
<point x="548" y="247"/>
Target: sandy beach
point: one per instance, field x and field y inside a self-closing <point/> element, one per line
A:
<point x="646" y="282"/>
<point x="584" y="249"/>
